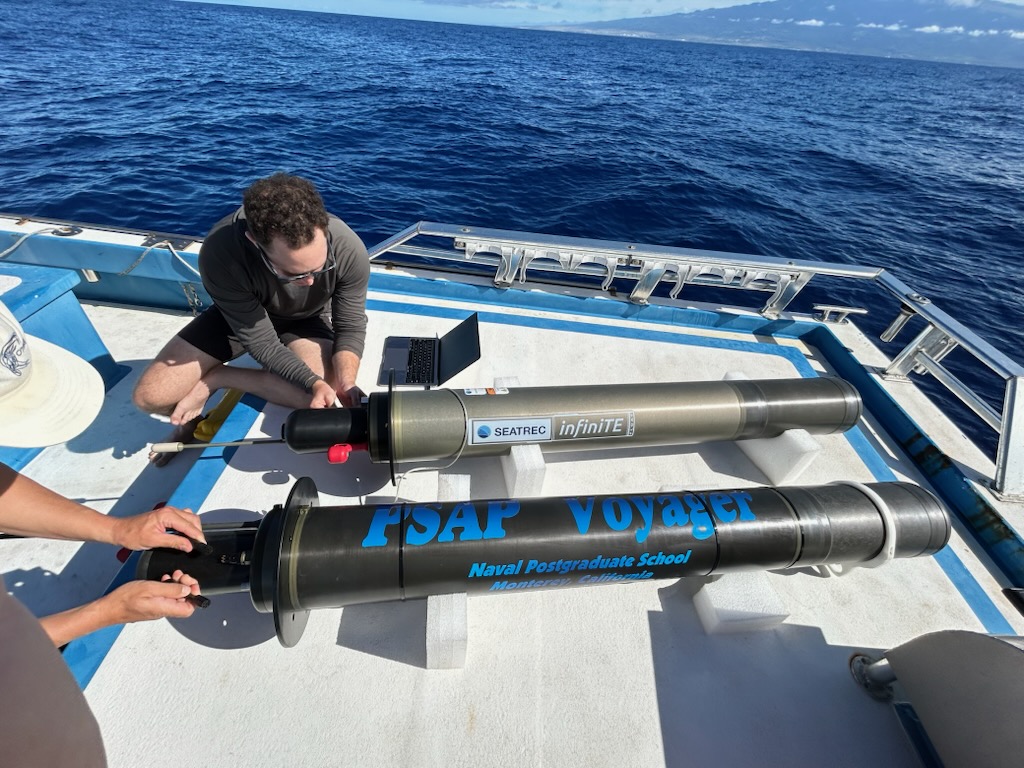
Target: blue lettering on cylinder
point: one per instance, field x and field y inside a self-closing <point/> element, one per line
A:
<point x="581" y="513"/>
<point x="718" y="504"/>
<point x="424" y="523"/>
<point x="383" y="517"/>
<point x="672" y="511"/>
<point x="464" y="517"/>
<point x="617" y="513"/>
<point x="741" y="499"/>
<point x="497" y="513"/>
<point x="645" y="506"/>
<point x="702" y="528"/>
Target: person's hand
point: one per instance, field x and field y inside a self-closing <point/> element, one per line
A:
<point x="323" y="395"/>
<point x="351" y="397"/>
<point x="145" y="600"/>
<point x="149" y="529"/>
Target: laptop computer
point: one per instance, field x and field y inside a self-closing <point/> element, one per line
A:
<point x="430" y="362"/>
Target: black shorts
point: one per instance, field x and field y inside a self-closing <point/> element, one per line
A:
<point x="210" y="333"/>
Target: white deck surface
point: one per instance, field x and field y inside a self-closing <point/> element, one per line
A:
<point x="602" y="676"/>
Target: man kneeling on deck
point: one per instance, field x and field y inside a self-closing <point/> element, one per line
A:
<point x="288" y="282"/>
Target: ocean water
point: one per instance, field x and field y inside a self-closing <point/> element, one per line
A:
<point x="157" y="114"/>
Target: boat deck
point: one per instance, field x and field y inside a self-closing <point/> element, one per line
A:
<point x="610" y="675"/>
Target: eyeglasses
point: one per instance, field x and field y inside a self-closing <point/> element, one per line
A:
<point x="327" y="267"/>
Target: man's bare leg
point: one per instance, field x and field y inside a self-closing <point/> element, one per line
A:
<point x="169" y="378"/>
<point x="182" y="378"/>
<point x="313" y="352"/>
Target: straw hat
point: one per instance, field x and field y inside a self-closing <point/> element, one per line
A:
<point x="47" y="394"/>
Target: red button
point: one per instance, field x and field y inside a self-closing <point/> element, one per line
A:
<point x="338" y="454"/>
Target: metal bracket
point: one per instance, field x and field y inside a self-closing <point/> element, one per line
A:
<point x="830" y="313"/>
<point x="932" y="341"/>
<point x="875" y="676"/>
<point x="650" y="275"/>
<point x="178" y="244"/>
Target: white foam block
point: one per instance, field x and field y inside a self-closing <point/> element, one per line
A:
<point x="452" y="487"/>
<point x="447" y="631"/>
<point x="524" y="466"/>
<point x="781" y="459"/>
<point x="524" y="470"/>
<point x="447" y="625"/>
<point x="784" y="458"/>
<point x="739" y="602"/>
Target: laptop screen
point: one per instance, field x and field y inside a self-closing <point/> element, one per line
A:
<point x="459" y="348"/>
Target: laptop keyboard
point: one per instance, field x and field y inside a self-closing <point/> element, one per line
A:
<point x="420" y="369"/>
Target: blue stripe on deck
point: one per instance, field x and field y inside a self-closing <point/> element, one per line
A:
<point x="85" y="655"/>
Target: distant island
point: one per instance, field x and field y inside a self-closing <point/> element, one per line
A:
<point x="960" y="31"/>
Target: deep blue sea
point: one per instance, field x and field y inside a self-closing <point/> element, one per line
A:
<point x="157" y="114"/>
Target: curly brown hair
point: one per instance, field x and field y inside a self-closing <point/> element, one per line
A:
<point x="284" y="206"/>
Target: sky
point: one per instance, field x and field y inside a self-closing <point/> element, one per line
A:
<point x="511" y="12"/>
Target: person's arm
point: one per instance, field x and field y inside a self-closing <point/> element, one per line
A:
<point x="30" y="509"/>
<point x="134" y="601"/>
<point x="348" y="312"/>
<point x="344" y="368"/>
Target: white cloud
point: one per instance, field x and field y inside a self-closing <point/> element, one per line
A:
<point x="810" y="23"/>
<point x="886" y="27"/>
<point x="933" y="29"/>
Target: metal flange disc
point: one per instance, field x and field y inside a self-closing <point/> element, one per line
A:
<point x="288" y="622"/>
<point x="391" y="425"/>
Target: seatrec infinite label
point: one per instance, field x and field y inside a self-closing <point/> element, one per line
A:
<point x="569" y="426"/>
<point x="509" y="431"/>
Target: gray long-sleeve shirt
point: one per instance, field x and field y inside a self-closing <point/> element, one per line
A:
<point x="249" y="295"/>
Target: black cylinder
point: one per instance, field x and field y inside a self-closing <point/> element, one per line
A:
<point x="328" y="557"/>
<point x="310" y="430"/>
<point x="220" y="568"/>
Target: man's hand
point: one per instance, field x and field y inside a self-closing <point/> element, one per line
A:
<point x="149" y="530"/>
<point x="352" y="397"/>
<point x="134" y="601"/>
<point x="342" y="377"/>
<point x="145" y="600"/>
<point x="323" y="395"/>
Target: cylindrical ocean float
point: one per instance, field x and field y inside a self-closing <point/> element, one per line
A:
<point x="426" y="425"/>
<point x="306" y="557"/>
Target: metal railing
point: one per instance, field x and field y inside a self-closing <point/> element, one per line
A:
<point x="645" y="267"/>
<point x="605" y="266"/>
